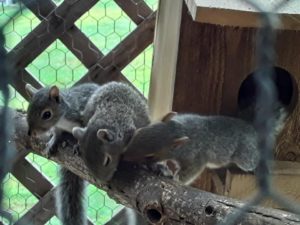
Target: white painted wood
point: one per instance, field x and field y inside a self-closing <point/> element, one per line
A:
<point x="165" y="57"/>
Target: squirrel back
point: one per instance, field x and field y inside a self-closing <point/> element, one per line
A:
<point x="117" y="111"/>
<point x="213" y="141"/>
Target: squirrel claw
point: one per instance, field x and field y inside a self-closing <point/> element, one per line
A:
<point x="76" y="150"/>
<point x="51" y="148"/>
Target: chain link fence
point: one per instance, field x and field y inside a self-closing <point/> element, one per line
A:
<point x="107" y="24"/>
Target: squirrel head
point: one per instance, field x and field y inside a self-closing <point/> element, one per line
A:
<point x="101" y="150"/>
<point x="44" y="109"/>
<point x="156" y="141"/>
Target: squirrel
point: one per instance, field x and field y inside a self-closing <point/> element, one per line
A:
<point x="113" y="113"/>
<point x="61" y="110"/>
<point x="182" y="145"/>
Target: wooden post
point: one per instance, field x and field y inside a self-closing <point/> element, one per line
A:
<point x="165" y="57"/>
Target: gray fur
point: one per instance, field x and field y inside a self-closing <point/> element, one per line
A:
<point x="72" y="103"/>
<point x="119" y="110"/>
<point x="215" y="141"/>
<point x="70" y="193"/>
<point x="67" y="113"/>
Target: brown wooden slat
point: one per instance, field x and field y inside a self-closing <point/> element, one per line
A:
<point x="31" y="178"/>
<point x="109" y="66"/>
<point x="55" y="25"/>
<point x="22" y="77"/>
<point x="36" y="183"/>
<point x="137" y="10"/>
<point x="41" y="212"/>
<point x="73" y="38"/>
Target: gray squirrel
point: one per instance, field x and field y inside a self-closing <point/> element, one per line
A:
<point x="59" y="111"/>
<point x="112" y="115"/>
<point x="182" y="145"/>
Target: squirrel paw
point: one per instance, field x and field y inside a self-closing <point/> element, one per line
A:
<point x="76" y="150"/>
<point x="51" y="148"/>
<point x="168" y="168"/>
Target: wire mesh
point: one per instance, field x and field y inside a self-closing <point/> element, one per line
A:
<point x="106" y="25"/>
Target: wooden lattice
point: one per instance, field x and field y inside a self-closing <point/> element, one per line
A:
<point x="57" y="22"/>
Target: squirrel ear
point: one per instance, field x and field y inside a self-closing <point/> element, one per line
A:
<point x="180" y="141"/>
<point x="78" y="132"/>
<point x="30" y="90"/>
<point x="168" y="116"/>
<point x="104" y="135"/>
<point x="54" y="93"/>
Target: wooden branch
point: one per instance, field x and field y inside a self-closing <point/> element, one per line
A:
<point x="160" y="200"/>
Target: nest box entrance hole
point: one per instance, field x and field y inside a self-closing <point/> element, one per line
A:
<point x="285" y="86"/>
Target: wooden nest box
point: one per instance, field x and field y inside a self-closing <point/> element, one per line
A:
<point x="204" y="58"/>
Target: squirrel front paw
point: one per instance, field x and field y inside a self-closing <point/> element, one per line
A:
<point x="76" y="150"/>
<point x="51" y="147"/>
<point x="168" y="168"/>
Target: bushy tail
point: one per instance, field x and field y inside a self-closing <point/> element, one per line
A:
<point x="280" y="115"/>
<point x="69" y="199"/>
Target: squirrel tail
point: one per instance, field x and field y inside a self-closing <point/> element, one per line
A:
<point x="280" y="115"/>
<point x="69" y="199"/>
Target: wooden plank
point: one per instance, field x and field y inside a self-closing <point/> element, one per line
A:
<point x="240" y="14"/>
<point x="73" y="38"/>
<point x="286" y="179"/>
<point x="41" y="212"/>
<point x="166" y="46"/>
<point x="108" y="68"/>
<point x="31" y="178"/>
<point x="137" y="10"/>
<point x="55" y="25"/>
<point x="37" y="184"/>
<point x="22" y="77"/>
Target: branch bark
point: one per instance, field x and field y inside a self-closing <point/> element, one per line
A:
<point x="159" y="200"/>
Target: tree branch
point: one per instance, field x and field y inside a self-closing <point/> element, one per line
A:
<point x="158" y="199"/>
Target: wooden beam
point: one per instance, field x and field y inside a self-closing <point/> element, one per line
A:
<point x="108" y="68"/>
<point x="165" y="57"/>
<point x="137" y="10"/>
<point x="240" y="14"/>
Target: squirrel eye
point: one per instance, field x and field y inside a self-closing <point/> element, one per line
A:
<point x="46" y="115"/>
<point x="107" y="160"/>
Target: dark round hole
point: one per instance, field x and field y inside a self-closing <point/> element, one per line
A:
<point x="209" y="210"/>
<point x="153" y="215"/>
<point x="284" y="84"/>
